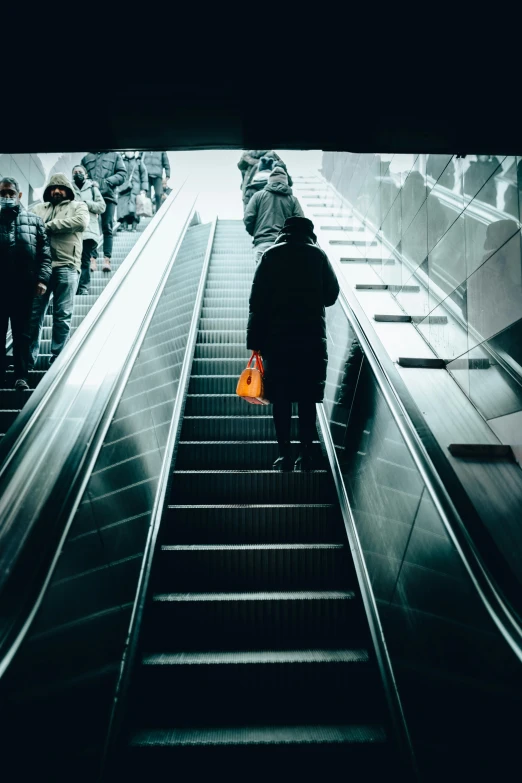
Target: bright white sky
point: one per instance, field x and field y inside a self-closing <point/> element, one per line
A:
<point x="215" y="175"/>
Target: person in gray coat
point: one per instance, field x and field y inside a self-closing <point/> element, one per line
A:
<point x="87" y="191"/>
<point x="108" y="171"/>
<point x="268" y="209"/>
<point x="136" y="181"/>
<point x="156" y="163"/>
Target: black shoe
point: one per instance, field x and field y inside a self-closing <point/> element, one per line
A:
<point x="284" y="461"/>
<point x="304" y="460"/>
<point x="82" y="292"/>
<point x="21" y="384"/>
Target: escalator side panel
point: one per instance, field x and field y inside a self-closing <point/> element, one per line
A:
<point x="453" y="668"/>
<point x="70" y="661"/>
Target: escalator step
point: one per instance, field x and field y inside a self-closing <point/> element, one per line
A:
<point x="222" y="350"/>
<point x="214" y="384"/>
<point x="14" y="400"/>
<point x="224" y="405"/>
<point x="271" y="752"/>
<point x="257" y="486"/>
<point x="33" y="379"/>
<point x="258" y="567"/>
<point x="306" y="685"/>
<point x="234" y="336"/>
<point x="252" y="524"/>
<point x="7" y="417"/>
<point x="230" y="455"/>
<point x="218" y="367"/>
<point x="222" y="324"/>
<point x="246" y="621"/>
<point x="232" y="427"/>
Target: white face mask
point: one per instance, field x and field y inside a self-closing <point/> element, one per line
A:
<point x="8" y="202"/>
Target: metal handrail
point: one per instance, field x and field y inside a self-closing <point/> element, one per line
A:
<point x="131" y="645"/>
<point x="93" y="381"/>
<point x="503" y="615"/>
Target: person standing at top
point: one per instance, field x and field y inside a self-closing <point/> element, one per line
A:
<point x="25" y="261"/>
<point x="85" y="190"/>
<point x="293" y="284"/>
<point x="65" y="218"/>
<point x="268" y="209"/>
<point x="156" y="163"/>
<point x="136" y="181"/>
<point x="108" y="171"/>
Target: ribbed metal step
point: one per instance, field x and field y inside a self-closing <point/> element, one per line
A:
<point x="214" y="384"/>
<point x="247" y="621"/>
<point x="241" y="428"/>
<point x="251" y="486"/>
<point x="273" y="752"/>
<point x="230" y="455"/>
<point x="224" y="405"/>
<point x="222" y="350"/>
<point x="252" y="523"/>
<point x="244" y="567"/>
<point x="218" y="367"/>
<point x="307" y="685"/>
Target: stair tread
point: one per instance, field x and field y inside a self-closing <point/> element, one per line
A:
<point x="238" y="547"/>
<point x="262" y="735"/>
<point x="251" y="505"/>
<point x="257" y="656"/>
<point x="282" y="595"/>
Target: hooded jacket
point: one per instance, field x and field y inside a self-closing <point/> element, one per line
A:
<point x="107" y="170"/>
<point x="90" y="195"/>
<point x="25" y="254"/>
<point x="65" y="223"/>
<point x="155" y="162"/>
<point x="269" y="208"/>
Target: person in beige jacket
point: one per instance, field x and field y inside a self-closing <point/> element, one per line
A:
<point x="65" y="219"/>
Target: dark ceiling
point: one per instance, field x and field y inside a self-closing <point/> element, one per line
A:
<point x="165" y="83"/>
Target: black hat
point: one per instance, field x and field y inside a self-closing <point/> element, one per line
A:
<point x="298" y="225"/>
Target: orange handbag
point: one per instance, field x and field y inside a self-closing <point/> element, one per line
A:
<point x="250" y="383"/>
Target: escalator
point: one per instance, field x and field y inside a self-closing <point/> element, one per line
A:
<point x="255" y="648"/>
<point x="11" y="400"/>
<point x="176" y="609"/>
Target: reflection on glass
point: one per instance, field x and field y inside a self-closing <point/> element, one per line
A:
<point x="462" y="215"/>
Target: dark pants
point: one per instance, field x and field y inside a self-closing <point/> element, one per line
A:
<point x="282" y="412"/>
<point x="17" y="307"/>
<point x="107" y="220"/>
<point x="89" y="251"/>
<point x="157" y="184"/>
<point x="63" y="286"/>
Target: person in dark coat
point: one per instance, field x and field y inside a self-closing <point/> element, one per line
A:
<point x="479" y="181"/>
<point x="247" y="165"/>
<point x="293" y="284"/>
<point x="108" y="172"/>
<point x="156" y="163"/>
<point x="136" y="181"/>
<point x="25" y="261"/>
<point x="268" y="210"/>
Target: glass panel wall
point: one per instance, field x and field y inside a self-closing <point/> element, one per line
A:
<point x="452" y="226"/>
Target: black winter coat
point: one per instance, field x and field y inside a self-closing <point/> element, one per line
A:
<point x="292" y="285"/>
<point x="108" y="170"/>
<point x="25" y="253"/>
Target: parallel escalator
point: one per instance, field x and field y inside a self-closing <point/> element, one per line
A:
<point x="12" y="400"/>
